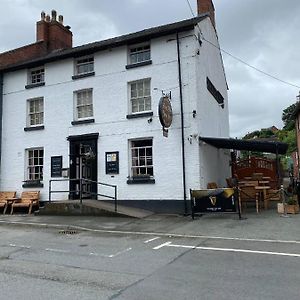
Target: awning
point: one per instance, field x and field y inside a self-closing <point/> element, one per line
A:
<point x="248" y="145"/>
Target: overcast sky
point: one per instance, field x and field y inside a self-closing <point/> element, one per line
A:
<point x="263" y="33"/>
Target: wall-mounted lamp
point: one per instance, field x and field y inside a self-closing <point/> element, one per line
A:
<point x="194" y="113"/>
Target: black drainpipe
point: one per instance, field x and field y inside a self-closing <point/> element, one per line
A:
<point x="1" y="109"/>
<point x="182" y="125"/>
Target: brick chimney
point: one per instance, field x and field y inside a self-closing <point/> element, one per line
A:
<point x="207" y="6"/>
<point x="53" y="32"/>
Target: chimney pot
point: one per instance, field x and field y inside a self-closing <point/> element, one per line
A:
<point x="43" y="16"/>
<point x="53" y="14"/>
<point x="47" y="18"/>
<point x="60" y="19"/>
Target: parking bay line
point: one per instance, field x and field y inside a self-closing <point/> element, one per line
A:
<point x="151" y="240"/>
<point x="169" y="244"/>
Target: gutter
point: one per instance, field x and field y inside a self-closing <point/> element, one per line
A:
<point x="182" y="125"/>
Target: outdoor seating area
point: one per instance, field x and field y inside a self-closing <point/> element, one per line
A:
<point x="257" y="189"/>
<point x="28" y="200"/>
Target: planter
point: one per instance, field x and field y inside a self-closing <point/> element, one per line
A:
<point x="290" y="209"/>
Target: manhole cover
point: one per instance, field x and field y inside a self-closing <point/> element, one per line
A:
<point x="68" y="231"/>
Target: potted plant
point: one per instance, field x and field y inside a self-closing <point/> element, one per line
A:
<point x="291" y="206"/>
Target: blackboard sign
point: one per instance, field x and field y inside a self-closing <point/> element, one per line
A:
<point x="112" y="162"/>
<point x="56" y="166"/>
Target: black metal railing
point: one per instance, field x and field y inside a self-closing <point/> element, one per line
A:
<point x="83" y="194"/>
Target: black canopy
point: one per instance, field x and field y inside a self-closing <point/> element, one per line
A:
<point x="249" y="145"/>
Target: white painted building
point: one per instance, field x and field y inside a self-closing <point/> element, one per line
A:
<point x="95" y="108"/>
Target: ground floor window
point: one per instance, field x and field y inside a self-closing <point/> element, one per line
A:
<point x="35" y="164"/>
<point x="141" y="158"/>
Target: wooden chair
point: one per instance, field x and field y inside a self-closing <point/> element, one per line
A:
<point x="28" y="199"/>
<point x="248" y="194"/>
<point x="4" y="197"/>
<point x="212" y="185"/>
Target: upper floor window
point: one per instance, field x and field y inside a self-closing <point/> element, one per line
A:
<point x="140" y="96"/>
<point x="36" y="76"/>
<point x="83" y="104"/>
<point x="35" y="108"/>
<point x="84" y="65"/>
<point x="139" y="54"/>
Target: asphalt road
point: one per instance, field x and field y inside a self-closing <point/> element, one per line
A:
<point x="51" y="264"/>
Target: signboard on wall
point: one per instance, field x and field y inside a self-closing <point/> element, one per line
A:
<point x="112" y="162"/>
<point x="56" y="166"/>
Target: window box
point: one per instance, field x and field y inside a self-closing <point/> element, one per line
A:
<point x="80" y="122"/>
<point x="34" y="128"/>
<point x="140" y="115"/>
<point x="34" y="85"/>
<point x="140" y="64"/>
<point x="79" y="76"/>
<point x="32" y="184"/>
<point x="141" y="180"/>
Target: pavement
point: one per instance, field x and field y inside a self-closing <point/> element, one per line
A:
<point x="267" y="225"/>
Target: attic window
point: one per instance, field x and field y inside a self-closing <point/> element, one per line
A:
<point x="84" y="65"/>
<point x="139" y="55"/>
<point x="36" y="76"/>
<point x="215" y="93"/>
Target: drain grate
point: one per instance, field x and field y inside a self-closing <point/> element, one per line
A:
<point x="68" y="231"/>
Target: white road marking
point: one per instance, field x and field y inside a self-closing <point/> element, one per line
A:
<point x="169" y="244"/>
<point x="161" y="246"/>
<point x="57" y="250"/>
<point x="19" y="246"/>
<point x="151" y="240"/>
<point x="120" y="252"/>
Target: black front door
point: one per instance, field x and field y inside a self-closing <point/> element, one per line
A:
<point x="83" y="165"/>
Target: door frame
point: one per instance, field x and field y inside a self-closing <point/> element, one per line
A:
<point x="75" y="141"/>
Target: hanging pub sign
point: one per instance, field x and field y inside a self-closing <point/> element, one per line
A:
<point x="165" y="114"/>
<point x="112" y="162"/>
<point x="56" y="166"/>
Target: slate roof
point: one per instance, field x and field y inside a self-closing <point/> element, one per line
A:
<point x="126" y="39"/>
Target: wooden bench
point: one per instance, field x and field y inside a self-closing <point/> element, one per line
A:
<point x="27" y="199"/>
<point x="4" y="199"/>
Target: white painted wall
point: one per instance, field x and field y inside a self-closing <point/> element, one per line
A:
<point x="110" y="100"/>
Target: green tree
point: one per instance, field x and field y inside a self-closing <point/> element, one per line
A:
<point x="288" y="117"/>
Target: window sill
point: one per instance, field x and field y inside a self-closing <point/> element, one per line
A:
<point x="41" y="127"/>
<point x="141" y="180"/>
<point x="140" y="64"/>
<point x="79" y="122"/>
<point x="140" y="115"/>
<point x="74" y="77"/>
<point x="32" y="184"/>
<point x="34" y="85"/>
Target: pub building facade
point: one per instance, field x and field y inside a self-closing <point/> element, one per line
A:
<point x="127" y="111"/>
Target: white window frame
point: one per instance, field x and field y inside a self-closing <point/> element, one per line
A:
<point x="87" y="62"/>
<point x="138" y="103"/>
<point x="37" y="113"/>
<point x="141" y="158"/>
<point x="34" y="164"/>
<point x="36" y="75"/>
<point x="77" y="105"/>
<point x="139" y="53"/>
